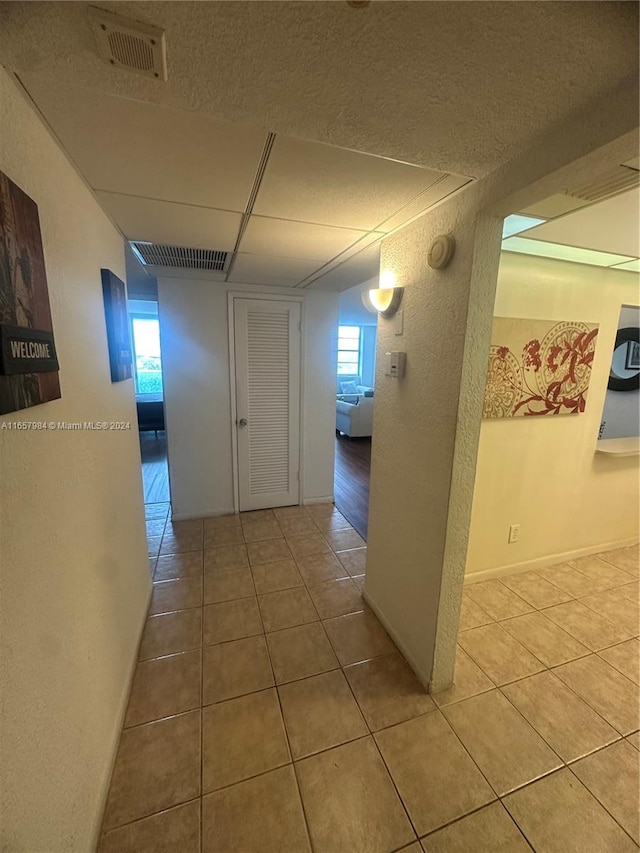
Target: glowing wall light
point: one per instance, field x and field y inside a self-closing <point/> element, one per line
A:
<point x="386" y="299"/>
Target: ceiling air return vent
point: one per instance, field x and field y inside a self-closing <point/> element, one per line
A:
<point x="130" y="44"/>
<point x="181" y="257"/>
<point x="609" y="183"/>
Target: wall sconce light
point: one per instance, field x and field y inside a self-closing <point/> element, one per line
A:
<point x="385" y="299"/>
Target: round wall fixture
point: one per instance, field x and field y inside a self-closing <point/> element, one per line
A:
<point x="441" y="251"/>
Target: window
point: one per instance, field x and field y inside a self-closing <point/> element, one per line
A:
<point x="146" y="347"/>
<point x="348" y="350"/>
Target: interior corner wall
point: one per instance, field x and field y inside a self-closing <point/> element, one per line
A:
<point x="74" y="576"/>
<point x="194" y="329"/>
<point x="543" y="473"/>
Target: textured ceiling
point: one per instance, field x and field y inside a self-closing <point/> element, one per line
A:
<point x="454" y="86"/>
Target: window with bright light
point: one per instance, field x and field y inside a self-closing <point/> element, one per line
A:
<point x="146" y="346"/>
<point x="348" y="350"/>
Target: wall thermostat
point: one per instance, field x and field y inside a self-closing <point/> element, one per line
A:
<point x="395" y="364"/>
<point x="441" y="251"/>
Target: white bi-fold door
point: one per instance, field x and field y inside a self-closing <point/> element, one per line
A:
<point x="267" y="366"/>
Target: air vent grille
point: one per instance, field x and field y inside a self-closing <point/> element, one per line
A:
<point x="609" y="183"/>
<point x="181" y="257"/>
<point x="130" y="44"/>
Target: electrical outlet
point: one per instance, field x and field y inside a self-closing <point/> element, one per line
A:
<point x="514" y="533"/>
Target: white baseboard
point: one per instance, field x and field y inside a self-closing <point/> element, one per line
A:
<point x="548" y="560"/>
<point x="328" y="499"/>
<point x="423" y="678"/>
<point x="117" y="730"/>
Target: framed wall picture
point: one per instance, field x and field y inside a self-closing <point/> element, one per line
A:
<point x="117" y="319"/>
<point x="632" y="360"/>
<point x="28" y="359"/>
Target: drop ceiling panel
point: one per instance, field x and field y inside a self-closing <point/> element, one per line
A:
<point x="611" y="226"/>
<point x="319" y="183"/>
<point x="174" y="224"/>
<point x="555" y="205"/>
<point x="444" y="187"/>
<point x="359" y="268"/>
<point x="138" y="148"/>
<point x="286" y="239"/>
<point x="268" y="269"/>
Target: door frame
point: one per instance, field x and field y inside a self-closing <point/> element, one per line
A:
<point x="262" y="297"/>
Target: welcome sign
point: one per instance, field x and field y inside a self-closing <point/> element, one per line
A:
<point x="24" y="350"/>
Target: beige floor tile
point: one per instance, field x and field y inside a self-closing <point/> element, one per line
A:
<point x="606" y="690"/>
<point x="587" y="626"/>
<point x="627" y="559"/>
<point x="269" y="551"/>
<point x="490" y="830"/>
<point x="175" y="829"/>
<point x="359" y="581"/>
<point x="544" y="639"/>
<point x="573" y="582"/>
<point x="262" y="814"/>
<point x="497" y="654"/>
<point x="317" y="568"/>
<point x="350" y="802"/>
<point x="227" y="586"/>
<point x="336" y="598"/>
<point x="535" y="590"/>
<point x="231" y="620"/>
<point x="631" y="591"/>
<point x="387" y="691"/>
<point x="286" y="608"/>
<point x="472" y="615"/>
<point x="437" y="780"/>
<point x="634" y="740"/>
<point x="256" y="515"/>
<point x="496" y="600"/>
<point x="327" y="524"/>
<point x="225" y="558"/>
<point x="218" y="537"/>
<point x="344" y="540"/>
<point x="153" y="545"/>
<point x="178" y="594"/>
<point x="180" y="542"/>
<point x="569" y="725"/>
<point x="170" y="633"/>
<point x="354" y="561"/>
<point x="157" y="766"/>
<point x="220" y="522"/>
<point x="308" y="546"/>
<point x="614" y="605"/>
<point x="155" y="526"/>
<point x="300" y="652"/>
<point x="416" y="847"/>
<point x="599" y="570"/>
<point x="164" y="687"/>
<point x="271" y="577"/>
<point x="242" y="737"/>
<point x="469" y="680"/>
<point x="190" y="526"/>
<point x="234" y="669"/>
<point x="558" y="815"/>
<point x="179" y="566"/>
<point x="258" y="531"/>
<point x="300" y="525"/>
<point x="612" y="776"/>
<point x="625" y="658"/>
<point x="159" y="510"/>
<point x="357" y="637"/>
<point x="320" y="712"/>
<point x="283" y="513"/>
<point x="504" y="746"/>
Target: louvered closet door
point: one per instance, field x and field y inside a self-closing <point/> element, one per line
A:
<point x="267" y="341"/>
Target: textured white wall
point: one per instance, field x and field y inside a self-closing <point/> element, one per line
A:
<point x="74" y="578"/>
<point x="195" y="365"/>
<point x="543" y="473"/>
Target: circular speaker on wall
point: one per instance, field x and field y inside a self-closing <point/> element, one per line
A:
<point x="441" y="251"/>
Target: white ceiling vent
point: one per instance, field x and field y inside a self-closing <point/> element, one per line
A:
<point x="181" y="257"/>
<point x="609" y="183"/>
<point x="130" y="44"/>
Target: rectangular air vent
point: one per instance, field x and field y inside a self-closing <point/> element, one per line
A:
<point x="608" y="183"/>
<point x="130" y="44"/>
<point x="181" y="257"/>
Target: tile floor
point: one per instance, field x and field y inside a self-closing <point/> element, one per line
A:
<point x="270" y="711"/>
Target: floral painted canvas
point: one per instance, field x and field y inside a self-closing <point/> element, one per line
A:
<point x="538" y="367"/>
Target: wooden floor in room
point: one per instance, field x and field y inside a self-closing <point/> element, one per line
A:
<point x="351" y="482"/>
<point x="155" y="471"/>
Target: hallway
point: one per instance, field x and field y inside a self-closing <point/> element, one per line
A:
<point x="351" y="480"/>
<point x="266" y="693"/>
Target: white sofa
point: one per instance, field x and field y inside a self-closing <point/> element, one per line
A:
<point x="355" y="419"/>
